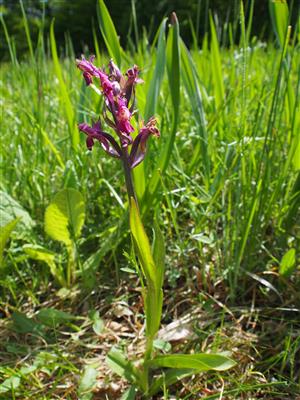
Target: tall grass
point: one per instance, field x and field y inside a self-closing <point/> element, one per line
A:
<point x="223" y="181"/>
<point x="228" y="156"/>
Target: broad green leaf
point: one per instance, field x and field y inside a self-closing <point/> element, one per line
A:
<point x="108" y="32"/>
<point x="118" y="363"/>
<point x="280" y="16"/>
<point x="10" y="209"/>
<point x="10" y="384"/>
<point x="200" y="362"/>
<point x="65" y="98"/>
<point x="5" y="232"/>
<point x="288" y="263"/>
<point x="87" y="382"/>
<point x="65" y="215"/>
<point x="52" y="317"/>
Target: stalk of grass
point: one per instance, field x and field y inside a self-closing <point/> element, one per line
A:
<point x="173" y="69"/>
<point x="27" y="32"/>
<point x="65" y="98"/>
<point x="108" y="32"/>
<point x="152" y="98"/>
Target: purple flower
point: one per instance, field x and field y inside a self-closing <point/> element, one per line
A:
<point x="106" y="140"/>
<point x="139" y="148"/>
<point x="118" y="109"/>
<point x="132" y="80"/>
<point x="115" y="73"/>
<point x="123" y="116"/>
<point x="88" y="68"/>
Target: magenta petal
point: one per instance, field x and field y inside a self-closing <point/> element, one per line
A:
<point x="89" y="142"/>
<point x="88" y="78"/>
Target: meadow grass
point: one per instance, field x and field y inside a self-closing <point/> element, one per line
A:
<point x="223" y="182"/>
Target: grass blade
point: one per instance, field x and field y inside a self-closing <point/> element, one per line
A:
<point x="27" y="32"/>
<point x="151" y="102"/>
<point x="65" y="99"/>
<point x="173" y="69"/>
<point x="216" y="65"/>
<point x="108" y="32"/>
<point x="190" y="81"/>
<point x="279" y="12"/>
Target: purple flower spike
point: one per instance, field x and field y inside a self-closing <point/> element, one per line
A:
<point x="119" y="102"/>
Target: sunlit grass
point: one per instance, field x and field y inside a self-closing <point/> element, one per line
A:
<point x="227" y="202"/>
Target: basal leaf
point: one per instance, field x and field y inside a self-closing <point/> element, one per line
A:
<point x="65" y="215"/>
<point x="199" y="362"/>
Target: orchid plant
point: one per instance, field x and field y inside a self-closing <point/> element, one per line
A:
<point x="118" y="91"/>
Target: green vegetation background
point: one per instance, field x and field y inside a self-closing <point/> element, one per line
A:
<point x="77" y="17"/>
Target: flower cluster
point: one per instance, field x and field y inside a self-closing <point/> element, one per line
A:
<point x="119" y="100"/>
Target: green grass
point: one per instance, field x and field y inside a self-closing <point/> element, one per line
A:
<point x="227" y="201"/>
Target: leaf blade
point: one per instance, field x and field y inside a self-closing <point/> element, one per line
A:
<point x="108" y="32"/>
<point x="199" y="362"/>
